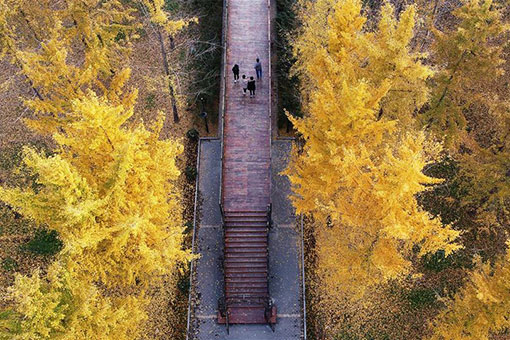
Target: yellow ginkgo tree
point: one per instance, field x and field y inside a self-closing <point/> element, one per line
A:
<point x="381" y="56"/>
<point x="65" y="49"/>
<point x="112" y="199"/>
<point x="56" y="306"/>
<point x="110" y="192"/>
<point x="361" y="165"/>
<point x="470" y="62"/>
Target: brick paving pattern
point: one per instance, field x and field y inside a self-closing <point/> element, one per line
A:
<point x="246" y="162"/>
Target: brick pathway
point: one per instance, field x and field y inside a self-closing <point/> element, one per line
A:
<point x="246" y="163"/>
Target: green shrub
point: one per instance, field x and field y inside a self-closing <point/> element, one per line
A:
<point x="191" y="173"/>
<point x="343" y="335"/>
<point x="189" y="227"/>
<point x="141" y="32"/>
<point x="421" y="297"/>
<point x="171" y="6"/>
<point x="436" y="262"/>
<point x="183" y="284"/>
<point x="150" y="101"/>
<point x="193" y="134"/>
<point x="9" y="264"/>
<point x="120" y="36"/>
<point x="45" y="242"/>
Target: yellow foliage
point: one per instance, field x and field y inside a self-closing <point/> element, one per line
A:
<point x="112" y="199"/>
<point x="382" y="58"/>
<point x="470" y="62"/>
<point x="57" y="307"/>
<point x="109" y="189"/>
<point x="98" y="27"/>
<point x="159" y="17"/>
<point x="481" y="307"/>
<point x="66" y="49"/>
<point x="360" y="169"/>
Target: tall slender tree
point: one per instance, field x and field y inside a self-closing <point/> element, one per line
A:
<point x="470" y="64"/>
<point x="162" y="22"/>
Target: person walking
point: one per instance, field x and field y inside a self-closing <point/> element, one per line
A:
<point x="244" y="81"/>
<point x="235" y="70"/>
<point x="258" y="68"/>
<point x="251" y="87"/>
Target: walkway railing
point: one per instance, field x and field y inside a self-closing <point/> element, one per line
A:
<point x="270" y="96"/>
<point x="223" y="94"/>
<point x="193" y="241"/>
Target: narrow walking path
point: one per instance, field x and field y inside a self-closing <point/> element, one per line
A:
<point x="246" y="157"/>
<point x="246" y="183"/>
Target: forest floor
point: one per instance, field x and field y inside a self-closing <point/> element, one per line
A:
<point x="403" y="311"/>
<point x="23" y="248"/>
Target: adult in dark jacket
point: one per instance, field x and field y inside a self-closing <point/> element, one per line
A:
<point x="251" y="87"/>
<point x="235" y="70"/>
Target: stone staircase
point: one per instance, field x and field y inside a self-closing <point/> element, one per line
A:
<point x="245" y="267"/>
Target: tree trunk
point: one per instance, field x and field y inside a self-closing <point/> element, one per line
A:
<point x="432" y="18"/>
<point x="167" y="72"/>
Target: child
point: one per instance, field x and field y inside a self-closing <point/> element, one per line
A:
<point x="244" y="81"/>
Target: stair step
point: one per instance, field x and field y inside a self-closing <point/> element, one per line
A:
<point x="235" y="219"/>
<point x="234" y="272"/>
<point x="233" y="283"/>
<point x="245" y="250"/>
<point x="247" y="215"/>
<point x="245" y="212"/>
<point x="246" y="245"/>
<point x="247" y="267"/>
<point x="245" y="224"/>
<point x="246" y="218"/>
<point x="246" y="240"/>
<point x="246" y="279"/>
<point x="247" y="297"/>
<point x="258" y="265"/>
<point x="254" y="255"/>
<point x="246" y="287"/>
<point x="251" y="259"/>
<point x="254" y="234"/>
<point x="245" y="290"/>
<point x="246" y="275"/>
<point x="246" y="229"/>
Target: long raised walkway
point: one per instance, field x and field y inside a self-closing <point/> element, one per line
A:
<point x="246" y="134"/>
<point x="246" y="175"/>
<point x="245" y="268"/>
